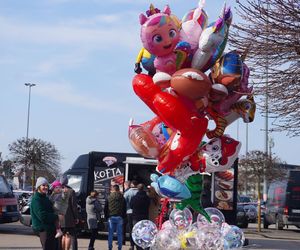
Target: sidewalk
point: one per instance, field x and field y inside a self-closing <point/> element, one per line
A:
<point x="292" y="233"/>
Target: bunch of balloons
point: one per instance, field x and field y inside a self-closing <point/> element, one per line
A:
<point x="180" y="232"/>
<point x="189" y="81"/>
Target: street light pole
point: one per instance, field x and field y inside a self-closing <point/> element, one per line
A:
<point x="29" y="85"/>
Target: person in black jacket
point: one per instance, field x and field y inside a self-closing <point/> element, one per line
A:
<point x="140" y="206"/>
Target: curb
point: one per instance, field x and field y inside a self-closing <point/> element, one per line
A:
<point x="270" y="237"/>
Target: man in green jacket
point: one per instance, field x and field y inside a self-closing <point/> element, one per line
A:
<point x="42" y="215"/>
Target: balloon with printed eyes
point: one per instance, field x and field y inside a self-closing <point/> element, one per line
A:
<point x="160" y="35"/>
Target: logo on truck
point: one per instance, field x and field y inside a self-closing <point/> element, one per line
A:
<point x="106" y="174"/>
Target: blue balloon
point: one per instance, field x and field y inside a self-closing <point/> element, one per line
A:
<point x="170" y="187"/>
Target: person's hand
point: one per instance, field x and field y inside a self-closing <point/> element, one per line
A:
<point x="76" y="221"/>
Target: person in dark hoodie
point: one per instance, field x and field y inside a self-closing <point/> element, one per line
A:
<point x="115" y="211"/>
<point x="140" y="206"/>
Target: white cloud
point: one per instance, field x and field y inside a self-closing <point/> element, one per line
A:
<point x="65" y="93"/>
<point x="71" y="33"/>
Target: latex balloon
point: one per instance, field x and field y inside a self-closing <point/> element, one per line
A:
<point x="143" y="233"/>
<point x="181" y="219"/>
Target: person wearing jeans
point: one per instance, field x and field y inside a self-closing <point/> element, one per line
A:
<point x="115" y="224"/>
<point x="115" y="211"/>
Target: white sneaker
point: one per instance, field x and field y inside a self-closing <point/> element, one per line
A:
<point x="59" y="233"/>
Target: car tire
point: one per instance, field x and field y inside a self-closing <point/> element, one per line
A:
<point x="278" y="223"/>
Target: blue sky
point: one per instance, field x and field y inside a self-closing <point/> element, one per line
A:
<point x="81" y="54"/>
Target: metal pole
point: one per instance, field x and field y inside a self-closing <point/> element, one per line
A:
<point x="246" y="181"/>
<point x="29" y="85"/>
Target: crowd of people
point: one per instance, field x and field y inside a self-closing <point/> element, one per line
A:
<point x="55" y="215"/>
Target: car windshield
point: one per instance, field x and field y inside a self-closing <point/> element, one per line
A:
<point x="244" y="199"/>
<point x="4" y="187"/>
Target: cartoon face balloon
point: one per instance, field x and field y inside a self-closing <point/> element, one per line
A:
<point x="159" y="32"/>
<point x="220" y="153"/>
<point x="216" y="216"/>
<point x="181" y="219"/>
<point x="143" y="233"/>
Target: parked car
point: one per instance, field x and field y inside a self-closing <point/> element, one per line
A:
<point x="283" y="202"/>
<point x="8" y="203"/>
<point x="241" y="217"/>
<point x="25" y="217"/>
<point x="249" y="206"/>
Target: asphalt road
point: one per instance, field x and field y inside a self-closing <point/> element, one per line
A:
<point x="18" y="237"/>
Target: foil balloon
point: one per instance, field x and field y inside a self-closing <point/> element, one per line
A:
<point x="147" y="61"/>
<point x="143" y="233"/>
<point x="169" y="187"/>
<point x="179" y="116"/>
<point x="143" y="141"/>
<point x="181" y="219"/>
<point x="223" y="107"/>
<point x="194" y="184"/>
<point x="212" y="42"/>
<point x="160" y="35"/>
<point x="193" y="23"/>
<point x="244" y="108"/>
<point x="220" y="153"/>
<point x="228" y="70"/>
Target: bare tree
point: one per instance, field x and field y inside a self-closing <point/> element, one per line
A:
<point x="270" y="33"/>
<point x="36" y="154"/>
<point x="254" y="166"/>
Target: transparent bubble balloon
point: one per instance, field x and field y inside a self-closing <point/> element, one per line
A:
<point x="202" y="221"/>
<point x="167" y="239"/>
<point x="181" y="219"/>
<point x="216" y="216"/>
<point x="210" y="238"/>
<point x="143" y="233"/>
<point x="234" y="238"/>
<point x="188" y="236"/>
<point x="166" y="224"/>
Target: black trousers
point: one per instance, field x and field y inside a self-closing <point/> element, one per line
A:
<point x="130" y="226"/>
<point x="124" y="230"/>
<point x="48" y="240"/>
<point x="94" y="233"/>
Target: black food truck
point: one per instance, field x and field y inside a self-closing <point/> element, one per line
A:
<point x="100" y="170"/>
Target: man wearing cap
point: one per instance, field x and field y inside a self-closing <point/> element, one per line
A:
<point x="71" y="217"/>
<point x="42" y="215"/>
